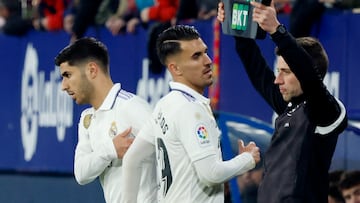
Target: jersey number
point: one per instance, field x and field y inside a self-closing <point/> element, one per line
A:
<point x="164" y="165"/>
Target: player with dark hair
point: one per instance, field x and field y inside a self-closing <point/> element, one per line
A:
<point x="104" y="128"/>
<point x="349" y="186"/>
<point x="183" y="130"/>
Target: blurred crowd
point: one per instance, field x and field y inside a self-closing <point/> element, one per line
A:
<point x="17" y="17"/>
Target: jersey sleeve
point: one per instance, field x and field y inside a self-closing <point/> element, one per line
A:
<point x="89" y="163"/>
<point x="213" y="171"/>
<point x="197" y="132"/>
<point x="133" y="160"/>
<point x="138" y="164"/>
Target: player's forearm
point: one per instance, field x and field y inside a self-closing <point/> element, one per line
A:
<point x="131" y="178"/>
<point x="212" y="171"/>
<point x="86" y="171"/>
<point x="89" y="165"/>
<point x="133" y="161"/>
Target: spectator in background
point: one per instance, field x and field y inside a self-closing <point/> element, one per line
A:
<point x="334" y="192"/>
<point x="188" y="10"/>
<point x="249" y="183"/>
<point x="108" y="8"/>
<point x="161" y="16"/>
<point x="349" y="186"/>
<point x="207" y="9"/>
<point x="125" y="19"/>
<point x="283" y="6"/>
<point x="127" y="16"/>
<point x="132" y="17"/>
<point x="196" y="10"/>
<point x="69" y="15"/>
<point x="80" y="16"/>
<point x="341" y="4"/>
<point x="161" y="11"/>
<point x="307" y="13"/>
<point x="133" y="20"/>
<point x="304" y="14"/>
<point x="12" y="22"/>
<point x="49" y="14"/>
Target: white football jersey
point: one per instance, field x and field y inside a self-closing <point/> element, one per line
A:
<point x="95" y="154"/>
<point x="185" y="131"/>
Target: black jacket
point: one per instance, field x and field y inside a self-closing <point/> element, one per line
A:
<point x="297" y="161"/>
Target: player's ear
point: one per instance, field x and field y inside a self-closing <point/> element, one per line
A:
<point x="92" y="69"/>
<point x="174" y="68"/>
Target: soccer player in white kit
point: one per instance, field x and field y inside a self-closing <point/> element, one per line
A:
<point x="183" y="130"/>
<point x="84" y="66"/>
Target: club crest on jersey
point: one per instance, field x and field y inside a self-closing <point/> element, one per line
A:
<point x="113" y="130"/>
<point x="202" y="135"/>
<point x="87" y="121"/>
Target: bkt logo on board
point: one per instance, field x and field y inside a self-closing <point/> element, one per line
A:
<point x="239" y="18"/>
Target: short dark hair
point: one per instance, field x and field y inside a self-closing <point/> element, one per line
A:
<point x="317" y="53"/>
<point x="167" y="42"/>
<point x="83" y="50"/>
<point x="334" y="178"/>
<point x="349" y="179"/>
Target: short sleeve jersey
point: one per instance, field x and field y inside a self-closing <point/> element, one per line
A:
<point x="183" y="130"/>
<point x="95" y="154"/>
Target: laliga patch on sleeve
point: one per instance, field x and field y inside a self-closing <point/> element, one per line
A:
<point x="202" y="135"/>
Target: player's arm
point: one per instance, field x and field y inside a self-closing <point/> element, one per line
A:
<point x="213" y="171"/>
<point x="139" y="161"/>
<point x="138" y="152"/>
<point x="260" y="74"/>
<point x="200" y="138"/>
<point x="90" y="163"/>
<point x="325" y="110"/>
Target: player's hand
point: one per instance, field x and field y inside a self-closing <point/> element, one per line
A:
<point x="221" y="12"/>
<point x="122" y="142"/>
<point x="265" y="16"/>
<point x="250" y="148"/>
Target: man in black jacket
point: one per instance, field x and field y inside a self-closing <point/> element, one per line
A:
<point x="310" y="119"/>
